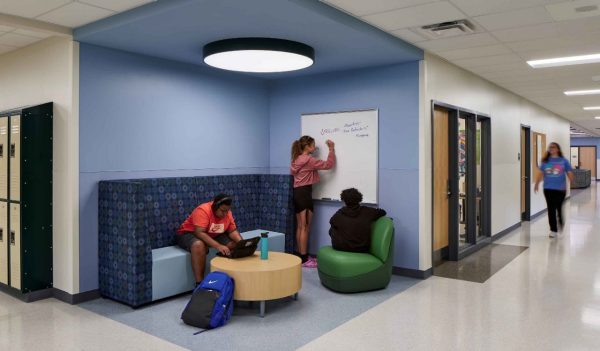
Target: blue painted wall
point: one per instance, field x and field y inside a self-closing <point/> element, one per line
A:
<point x="394" y="90"/>
<point x="144" y="117"/>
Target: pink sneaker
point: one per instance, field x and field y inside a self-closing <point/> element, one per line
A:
<point x="311" y="263"/>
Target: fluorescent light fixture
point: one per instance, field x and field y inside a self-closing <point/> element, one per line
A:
<point x="597" y="117"/>
<point x="564" y="61"/>
<point x="582" y="92"/>
<point x="590" y="108"/>
<point x="258" y="55"/>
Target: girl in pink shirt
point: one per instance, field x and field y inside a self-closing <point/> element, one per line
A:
<point x="304" y="169"/>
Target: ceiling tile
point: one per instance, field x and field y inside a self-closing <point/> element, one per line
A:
<point x="408" y="35"/>
<point x="32" y="33"/>
<point x="584" y="25"/>
<point x="460" y="42"/>
<point x="415" y="16"/>
<point x="116" y="5"/>
<point x="17" y="40"/>
<point x="30" y="8"/>
<point x="5" y="48"/>
<point x="4" y="29"/>
<point x="488" y="60"/>
<point x="537" y="31"/>
<point x="480" y="51"/>
<point x="568" y="10"/>
<point x="514" y="19"/>
<point x="362" y="7"/>
<point x="75" y="15"/>
<point x="483" y="7"/>
<point x="501" y="67"/>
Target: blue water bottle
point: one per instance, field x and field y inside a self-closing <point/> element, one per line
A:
<point x="264" y="245"/>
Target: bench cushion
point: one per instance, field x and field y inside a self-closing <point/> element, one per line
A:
<point x="172" y="266"/>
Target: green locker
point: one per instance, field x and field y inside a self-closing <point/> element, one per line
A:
<point x="26" y="208"/>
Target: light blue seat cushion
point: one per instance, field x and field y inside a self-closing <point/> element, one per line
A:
<point x="172" y="268"/>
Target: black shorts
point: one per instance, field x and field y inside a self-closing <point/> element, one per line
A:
<point x="303" y="198"/>
<point x="186" y="240"/>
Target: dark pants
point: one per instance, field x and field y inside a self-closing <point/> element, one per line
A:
<point x="554" y="201"/>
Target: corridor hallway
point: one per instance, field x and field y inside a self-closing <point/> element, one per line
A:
<point x="547" y="298"/>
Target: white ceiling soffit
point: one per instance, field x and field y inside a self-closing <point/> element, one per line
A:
<point x="24" y="22"/>
<point x="507" y="34"/>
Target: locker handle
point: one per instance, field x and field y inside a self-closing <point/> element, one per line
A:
<point x="12" y="150"/>
<point x="1" y="150"/>
<point x="12" y="237"/>
<point x="1" y="234"/>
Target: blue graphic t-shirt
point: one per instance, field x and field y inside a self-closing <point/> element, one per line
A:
<point x="555" y="173"/>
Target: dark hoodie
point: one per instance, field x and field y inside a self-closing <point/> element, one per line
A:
<point x="351" y="228"/>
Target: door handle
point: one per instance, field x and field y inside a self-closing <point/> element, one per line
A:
<point x="448" y="192"/>
<point x="525" y="178"/>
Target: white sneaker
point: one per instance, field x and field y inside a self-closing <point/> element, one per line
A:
<point x="553" y="234"/>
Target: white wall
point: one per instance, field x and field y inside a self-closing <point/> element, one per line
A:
<point x="43" y="72"/>
<point x="450" y="84"/>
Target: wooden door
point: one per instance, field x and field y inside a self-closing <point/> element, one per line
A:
<point x="587" y="159"/>
<point x="440" y="181"/>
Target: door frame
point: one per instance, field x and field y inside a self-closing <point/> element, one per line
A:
<point x="526" y="216"/>
<point x="454" y="253"/>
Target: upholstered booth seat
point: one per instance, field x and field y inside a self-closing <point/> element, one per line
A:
<point x="355" y="272"/>
<point x="138" y="218"/>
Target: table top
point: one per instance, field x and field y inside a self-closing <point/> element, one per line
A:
<point x="276" y="261"/>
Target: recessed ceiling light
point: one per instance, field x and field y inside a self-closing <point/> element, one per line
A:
<point x="590" y="108"/>
<point x="597" y="117"/>
<point x="582" y="92"/>
<point x="564" y="61"/>
<point x="258" y="55"/>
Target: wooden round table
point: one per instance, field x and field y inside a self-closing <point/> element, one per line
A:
<point x="260" y="280"/>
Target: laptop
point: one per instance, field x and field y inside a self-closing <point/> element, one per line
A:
<point x="243" y="248"/>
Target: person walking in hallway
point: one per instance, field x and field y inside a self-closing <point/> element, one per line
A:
<point x="305" y="168"/>
<point x="554" y="170"/>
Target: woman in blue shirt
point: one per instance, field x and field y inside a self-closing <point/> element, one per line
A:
<point x="554" y="170"/>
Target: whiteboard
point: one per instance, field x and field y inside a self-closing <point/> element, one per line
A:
<point x="355" y="134"/>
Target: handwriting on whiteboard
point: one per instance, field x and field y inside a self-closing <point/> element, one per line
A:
<point x="359" y="129"/>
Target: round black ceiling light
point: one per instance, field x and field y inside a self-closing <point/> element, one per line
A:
<point x="258" y="55"/>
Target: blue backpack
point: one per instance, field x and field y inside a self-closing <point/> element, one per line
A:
<point x="211" y="304"/>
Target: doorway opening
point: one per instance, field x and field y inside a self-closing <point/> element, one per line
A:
<point x="461" y="182"/>
<point x="525" y="158"/>
<point x="585" y="157"/>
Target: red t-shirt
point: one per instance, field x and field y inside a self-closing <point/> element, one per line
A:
<point x="203" y="216"/>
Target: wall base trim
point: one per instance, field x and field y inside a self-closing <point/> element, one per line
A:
<point x="503" y="233"/>
<point x="541" y="213"/>
<point x="75" y="299"/>
<point x="58" y="294"/>
<point x="412" y="273"/>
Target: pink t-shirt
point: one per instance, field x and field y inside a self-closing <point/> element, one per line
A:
<point x="304" y="169"/>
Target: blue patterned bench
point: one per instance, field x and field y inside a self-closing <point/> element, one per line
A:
<point x="138" y="215"/>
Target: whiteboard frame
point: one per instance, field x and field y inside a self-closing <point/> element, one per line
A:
<point x="376" y="161"/>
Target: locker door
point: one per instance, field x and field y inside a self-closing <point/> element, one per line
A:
<point x="15" y="158"/>
<point x="4" y="242"/>
<point x="15" y="246"/>
<point x="3" y="158"/>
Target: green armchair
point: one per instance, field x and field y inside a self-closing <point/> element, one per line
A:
<point x="350" y="272"/>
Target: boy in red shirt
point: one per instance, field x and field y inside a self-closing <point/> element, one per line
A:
<point x="210" y="225"/>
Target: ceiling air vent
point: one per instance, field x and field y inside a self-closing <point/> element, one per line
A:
<point x="447" y="29"/>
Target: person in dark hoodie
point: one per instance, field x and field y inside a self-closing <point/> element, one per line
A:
<point x="351" y="225"/>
